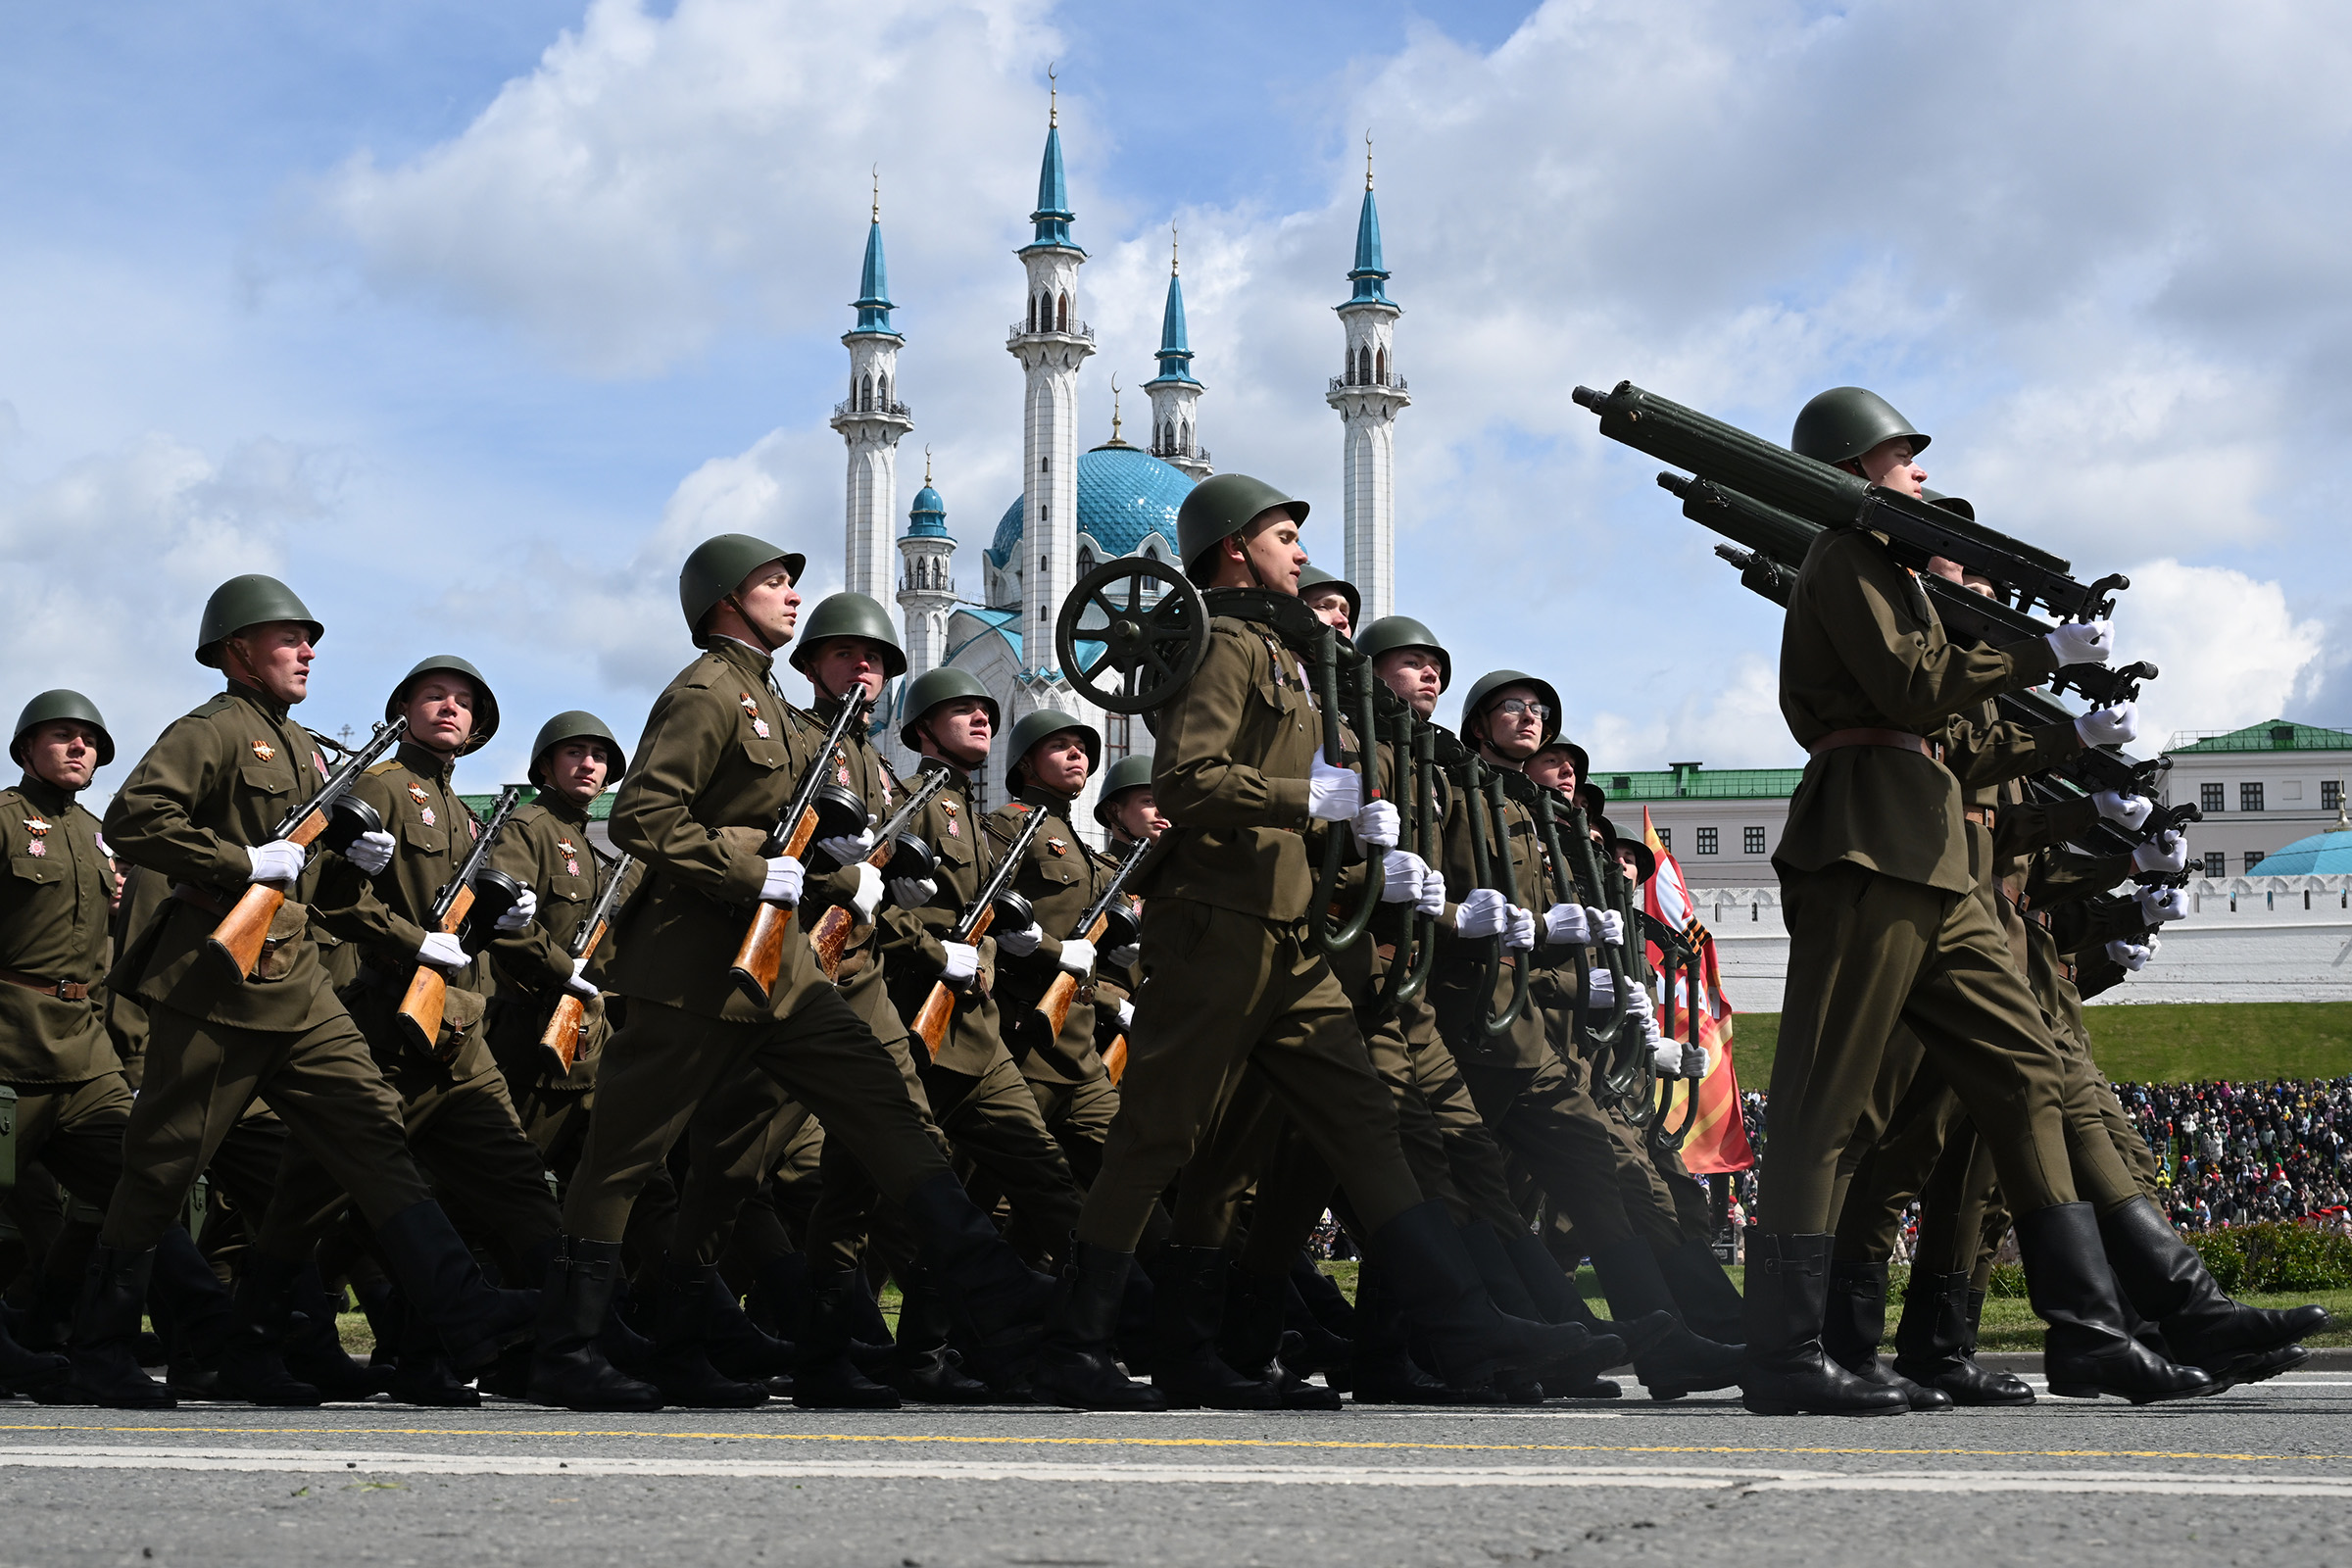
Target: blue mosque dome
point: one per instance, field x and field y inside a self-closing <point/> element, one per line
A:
<point x="2321" y="854"/>
<point x="1125" y="495"/>
<point x="928" y="515"/>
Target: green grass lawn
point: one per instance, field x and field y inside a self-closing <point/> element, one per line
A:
<point x="2169" y="1042"/>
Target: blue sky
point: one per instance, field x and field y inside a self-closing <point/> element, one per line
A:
<point x="467" y="319"/>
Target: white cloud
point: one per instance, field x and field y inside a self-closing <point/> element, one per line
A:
<point x="2230" y="651"/>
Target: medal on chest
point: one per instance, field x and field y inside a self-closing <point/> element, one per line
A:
<point x="319" y="763"/>
<point x="426" y="812"/>
<point x="417" y="792"/>
<point x="1057" y="846"/>
<point x="265" y="751"/>
<point x="955" y="831"/>
<point x="570" y="853"/>
<point x="38" y="847"/>
<point x="750" y="706"/>
<point x="840" y="774"/>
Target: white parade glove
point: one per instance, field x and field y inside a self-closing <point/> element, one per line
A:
<point x="278" y="860"/>
<point x="1482" y="914"/>
<point x="2109" y="726"/>
<point x="1602" y="990"/>
<point x="869" y="896"/>
<point x="526" y="910"/>
<point x="1567" y="925"/>
<point x="783" y="884"/>
<point x="2125" y="811"/>
<point x="1664" y="1054"/>
<point x="1697" y="1062"/>
<point x="1430" y="898"/>
<point x="371" y="851"/>
<point x="1332" y="792"/>
<point x="1612" y="925"/>
<point x="2167" y="850"/>
<point x="1522" y="934"/>
<point x="1022" y="942"/>
<point x="1077" y="957"/>
<point x="913" y="892"/>
<point x="1376" y="825"/>
<point x="848" y="849"/>
<point x="1124" y="958"/>
<point x="578" y="983"/>
<point x="2083" y="642"/>
<point x="1126" y="1013"/>
<point x="2133" y="955"/>
<point x="1640" y="1005"/>
<point x="962" y="965"/>
<point x="1401" y="873"/>
<point x="443" y="951"/>
<point x="2159" y="904"/>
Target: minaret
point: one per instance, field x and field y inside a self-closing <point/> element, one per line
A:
<point x="926" y="582"/>
<point x="870" y="421"/>
<point x="1174" y="391"/>
<point x="1368" y="395"/>
<point x="1050" y="342"/>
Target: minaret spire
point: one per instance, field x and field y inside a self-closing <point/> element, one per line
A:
<point x="871" y="419"/>
<point x="926" y="585"/>
<point x="1368" y="394"/>
<point x="1173" y="391"/>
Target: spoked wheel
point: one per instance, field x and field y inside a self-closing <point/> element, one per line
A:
<point x="1137" y="654"/>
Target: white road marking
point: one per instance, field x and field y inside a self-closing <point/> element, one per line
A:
<point x="308" y="1461"/>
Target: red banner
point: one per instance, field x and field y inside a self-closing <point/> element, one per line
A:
<point x="1718" y="1138"/>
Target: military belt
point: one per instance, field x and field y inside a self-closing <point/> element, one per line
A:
<point x="63" y="990"/>
<point x="1900" y="739"/>
<point x="212" y="903"/>
<point x="1981" y="815"/>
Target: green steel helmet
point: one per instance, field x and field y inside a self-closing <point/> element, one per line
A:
<point x="1646" y="861"/>
<point x="1846" y="421"/>
<point x="1576" y="755"/>
<point x="578" y="724"/>
<point x="1489" y="684"/>
<point x="1317" y="578"/>
<point x="717" y="567"/>
<point x="61" y="703"/>
<point x="485" y="715"/>
<point x="1133" y="772"/>
<point x="1035" y="726"/>
<point x="248" y="601"/>
<point x="936" y="686"/>
<point x="1391" y="632"/>
<point x="1959" y="504"/>
<point x="1218" y="508"/>
<point x="846" y="615"/>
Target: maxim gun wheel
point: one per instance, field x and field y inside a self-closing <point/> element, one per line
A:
<point x="1152" y="645"/>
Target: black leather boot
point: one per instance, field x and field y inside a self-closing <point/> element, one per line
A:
<point x="998" y="1302"/>
<point x="2086" y="1349"/>
<point x="1788" y="1373"/>
<point x="27" y="1372"/>
<point x="778" y="1300"/>
<point x="568" y="1368"/>
<point x="1853" y="1323"/>
<point x="681" y="1365"/>
<point x="1320" y="1347"/>
<point x="1435" y="1278"/>
<point x="736" y="1346"/>
<point x="1932" y="1346"/>
<point x="1383" y="1372"/>
<point x="423" y="1375"/>
<point x="473" y="1319"/>
<point x="1559" y="1301"/>
<point x="1074" y="1363"/>
<point x="922" y="1369"/>
<point x="247" y="1351"/>
<point x="1680" y="1361"/>
<point x="106" y="1367"/>
<point x="2167" y="1281"/>
<point x="313" y="1342"/>
<point x="1703" y="1293"/>
<point x="1255" y="1342"/>
<point x="1189" y="1309"/>
<point x="825" y="1378"/>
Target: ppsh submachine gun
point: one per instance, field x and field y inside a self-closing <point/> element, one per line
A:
<point x="560" y="1039"/>
<point x="470" y="903"/>
<point x="819" y="808"/>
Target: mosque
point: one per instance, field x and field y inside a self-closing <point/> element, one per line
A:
<point x="1078" y="509"/>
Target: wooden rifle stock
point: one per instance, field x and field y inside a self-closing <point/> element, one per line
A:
<point x="237" y="940"/>
<point x="561" y="1040"/>
<point x="931" y="1023"/>
<point x="762" y="955"/>
<point x="1114" y="1061"/>
<point x="421" y="1005"/>
<point x="1055" y="1003"/>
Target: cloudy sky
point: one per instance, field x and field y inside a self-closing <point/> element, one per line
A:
<point x="470" y="320"/>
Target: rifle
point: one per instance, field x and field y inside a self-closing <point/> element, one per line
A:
<point x="420" y="1006"/>
<point x="896" y="854"/>
<point x="819" y="807"/>
<point x="561" y="1040"/>
<point x="1917" y="531"/>
<point x="1416" y="742"/>
<point x="931" y="1023"/>
<point x="329" y="817"/>
<point x="1580" y="879"/>
<point x="1114" y="1061"/>
<point x="1680" y="958"/>
<point x="1096" y="926"/>
<point x="1482" y="787"/>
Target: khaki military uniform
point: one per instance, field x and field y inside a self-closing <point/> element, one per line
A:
<point x="460" y="1123"/>
<point x="217" y="781"/>
<point x="716" y="766"/>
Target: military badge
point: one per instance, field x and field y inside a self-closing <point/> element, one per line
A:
<point x="36" y="826"/>
<point x="426" y="812"/>
<point x="319" y="763"/>
<point x="949" y="807"/>
<point x="571" y="868"/>
<point x="37" y="847"/>
<point x="416" y="793"/>
<point x="750" y="704"/>
<point x="759" y="728"/>
<point x="567" y="846"/>
<point x="1056" y="846"/>
<point x="265" y="751"/>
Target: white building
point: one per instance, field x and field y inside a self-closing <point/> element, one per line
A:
<point x="2260" y="788"/>
<point x="1722" y="826"/>
<point x="871" y="420"/>
<point x="1368" y="394"/>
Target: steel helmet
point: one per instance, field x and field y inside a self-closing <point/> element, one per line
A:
<point x="717" y="567"/>
<point x="248" y="601"/>
<point x="846" y="615"/>
<point x="1489" y="684"/>
<point x="578" y="724"/>
<point x="1317" y="578"/>
<point x="936" y="686"/>
<point x="1035" y="725"/>
<point x="56" y="704"/>
<point x="1846" y="421"/>
<point x="485" y="715"/>
<point x="1130" y="772"/>
<point x="1391" y="632"/>
<point x="1218" y="508"/>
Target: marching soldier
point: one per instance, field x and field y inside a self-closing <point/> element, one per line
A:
<point x="199" y="809"/>
<point x="719" y="759"/>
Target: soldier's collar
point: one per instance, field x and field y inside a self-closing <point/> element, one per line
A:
<point x="259" y="699"/>
<point x="425" y="761"/>
<point x="44" y="795"/>
<point x="1039" y="795"/>
<point x="735" y="650"/>
<point x="563" y="808"/>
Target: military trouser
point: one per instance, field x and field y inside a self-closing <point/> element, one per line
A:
<point x="665" y="1061"/>
<point x="848" y="1212"/>
<point x="322" y="1082"/>
<point x="1867" y="952"/>
<point x="734" y="1139"/>
<point x="1472" y="1155"/>
<point x="74" y="1131"/>
<point x="1959" y="1197"/>
<point x="1548" y="1119"/>
<point x="1229" y="992"/>
<point x="1900" y="1166"/>
<point x="1079" y="1116"/>
<point x="555" y="1121"/>
<point x="993" y="1125"/>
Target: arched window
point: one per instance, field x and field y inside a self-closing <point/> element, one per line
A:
<point x="1379" y="368"/>
<point x="865" y="393"/>
<point x="1033" y="316"/>
<point x="1086" y="560"/>
<point x="1188" y="436"/>
<point x="1062" y="313"/>
<point x="882" y="391"/>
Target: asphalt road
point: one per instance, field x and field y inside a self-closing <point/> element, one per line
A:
<point x="2258" y="1476"/>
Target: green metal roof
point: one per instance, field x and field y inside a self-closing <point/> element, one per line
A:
<point x="599" y="809"/>
<point x="1688" y="781"/>
<point x="2279" y="735"/>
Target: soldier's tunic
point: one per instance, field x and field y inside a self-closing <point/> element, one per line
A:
<point x="1238" y="977"/>
<point x="461" y="1124"/>
<point x="1873" y="864"/>
<point x="715" y="768"/>
<point x="216" y="782"/>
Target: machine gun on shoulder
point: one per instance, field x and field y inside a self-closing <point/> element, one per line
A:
<point x="1109" y="920"/>
<point x="560" y="1039"/>
<point x="897" y="853"/>
<point x="471" y="902"/>
<point x="939" y="1006"/>
<point x="819" y="808"/>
